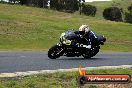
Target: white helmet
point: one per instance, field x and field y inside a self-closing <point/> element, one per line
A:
<point x="84" y="28"/>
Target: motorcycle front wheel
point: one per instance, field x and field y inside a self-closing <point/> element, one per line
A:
<point x="55" y="52"/>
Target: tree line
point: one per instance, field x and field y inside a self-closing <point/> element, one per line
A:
<point x="35" y="3"/>
<point x="60" y="5"/>
<point x="54" y="4"/>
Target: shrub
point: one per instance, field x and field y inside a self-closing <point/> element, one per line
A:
<point x="130" y="8"/>
<point x="128" y="17"/>
<point x="113" y="14"/>
<point x="89" y="10"/>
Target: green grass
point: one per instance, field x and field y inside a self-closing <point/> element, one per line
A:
<point x="29" y="28"/>
<point x="58" y="80"/>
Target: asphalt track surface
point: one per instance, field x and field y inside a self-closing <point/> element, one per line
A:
<point x="32" y="61"/>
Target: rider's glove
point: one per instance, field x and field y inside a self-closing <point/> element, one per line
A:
<point x="81" y="36"/>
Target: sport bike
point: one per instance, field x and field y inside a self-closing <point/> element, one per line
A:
<point x="72" y="44"/>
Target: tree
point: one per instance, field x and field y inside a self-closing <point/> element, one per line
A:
<point x="64" y="5"/>
<point x="36" y="3"/>
<point x="71" y="5"/>
<point x="42" y="3"/>
<point x="112" y="13"/>
<point x="23" y="2"/>
<point x="2" y="1"/>
<point x="80" y="6"/>
<point x="130" y="8"/>
<point x="13" y="1"/>
<point x="53" y="4"/>
<point x="89" y="10"/>
<point x="128" y="15"/>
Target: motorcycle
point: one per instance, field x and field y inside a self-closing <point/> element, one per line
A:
<point x="72" y="44"/>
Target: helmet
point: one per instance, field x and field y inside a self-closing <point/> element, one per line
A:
<point x="84" y="28"/>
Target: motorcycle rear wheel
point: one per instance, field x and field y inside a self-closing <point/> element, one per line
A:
<point x="91" y="53"/>
<point x="95" y="51"/>
<point x="86" y="55"/>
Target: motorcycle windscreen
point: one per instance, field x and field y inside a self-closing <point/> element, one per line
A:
<point x="70" y="35"/>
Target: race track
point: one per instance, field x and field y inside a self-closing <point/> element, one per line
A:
<point x="31" y="61"/>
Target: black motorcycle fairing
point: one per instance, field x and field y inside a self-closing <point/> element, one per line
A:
<point x="71" y="51"/>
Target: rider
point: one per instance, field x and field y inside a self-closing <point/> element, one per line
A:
<point x="85" y="31"/>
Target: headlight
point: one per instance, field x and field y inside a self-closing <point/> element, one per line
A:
<point x="67" y="42"/>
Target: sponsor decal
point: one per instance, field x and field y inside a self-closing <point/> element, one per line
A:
<point x="101" y="78"/>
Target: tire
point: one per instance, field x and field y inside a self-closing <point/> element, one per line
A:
<point x="86" y="55"/>
<point x="95" y="52"/>
<point x="91" y="53"/>
<point x="55" y="52"/>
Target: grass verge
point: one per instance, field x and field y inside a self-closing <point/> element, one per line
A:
<point x="61" y="80"/>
